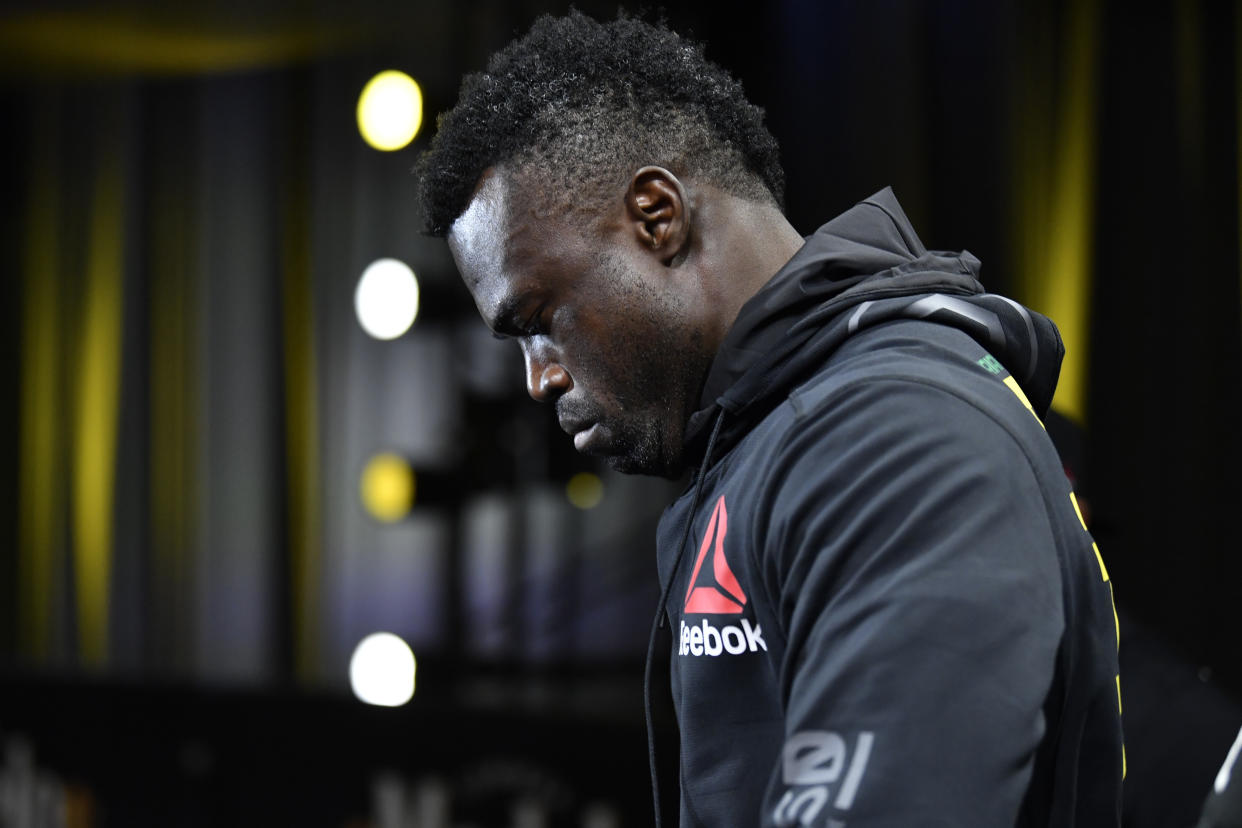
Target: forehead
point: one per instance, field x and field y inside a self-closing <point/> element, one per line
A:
<point x="478" y="238"/>
<point x="511" y="243"/>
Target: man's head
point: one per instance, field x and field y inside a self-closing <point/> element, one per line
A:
<point x="582" y="182"/>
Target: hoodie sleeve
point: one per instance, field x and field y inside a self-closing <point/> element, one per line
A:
<point x="910" y="551"/>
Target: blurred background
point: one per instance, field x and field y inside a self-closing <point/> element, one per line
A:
<point x="250" y="418"/>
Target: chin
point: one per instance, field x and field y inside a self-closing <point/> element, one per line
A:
<point x="642" y="447"/>
<point x="650" y="466"/>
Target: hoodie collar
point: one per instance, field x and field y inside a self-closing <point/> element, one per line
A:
<point x="794" y="322"/>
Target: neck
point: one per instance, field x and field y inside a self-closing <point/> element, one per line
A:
<point x="740" y="245"/>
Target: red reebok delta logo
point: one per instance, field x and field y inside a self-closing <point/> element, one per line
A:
<point x="724" y="598"/>
<point x="727" y="597"/>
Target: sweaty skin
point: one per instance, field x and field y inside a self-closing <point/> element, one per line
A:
<point x="618" y="315"/>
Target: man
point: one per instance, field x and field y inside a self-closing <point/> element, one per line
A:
<point x="884" y="608"/>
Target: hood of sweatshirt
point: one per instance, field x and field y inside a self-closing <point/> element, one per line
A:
<point x="863" y="268"/>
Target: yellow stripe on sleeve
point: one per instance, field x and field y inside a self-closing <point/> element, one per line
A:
<point x="1012" y="385"/>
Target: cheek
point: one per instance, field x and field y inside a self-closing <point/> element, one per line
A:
<point x="629" y="360"/>
<point x="614" y="340"/>
<point x="597" y="355"/>
<point x="591" y="361"/>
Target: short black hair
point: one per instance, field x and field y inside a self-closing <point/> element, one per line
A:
<point x="588" y="103"/>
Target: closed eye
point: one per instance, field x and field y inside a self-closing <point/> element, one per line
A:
<point x="533" y="326"/>
<point x="508" y="324"/>
<point x="502" y="323"/>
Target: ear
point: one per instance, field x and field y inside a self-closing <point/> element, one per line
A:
<point x="657" y="206"/>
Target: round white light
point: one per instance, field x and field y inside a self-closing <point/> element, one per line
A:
<point x="386" y="300"/>
<point x="381" y="670"/>
<point x="390" y="110"/>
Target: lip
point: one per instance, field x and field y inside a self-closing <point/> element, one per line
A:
<point x="583" y="438"/>
<point x="572" y="425"/>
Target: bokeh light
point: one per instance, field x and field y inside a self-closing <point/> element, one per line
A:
<point x="386" y="299"/>
<point x="585" y="490"/>
<point x="381" y="670"/>
<point x="390" y="110"/>
<point x="388" y="487"/>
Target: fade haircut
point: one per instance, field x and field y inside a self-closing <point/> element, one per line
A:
<point x="584" y="104"/>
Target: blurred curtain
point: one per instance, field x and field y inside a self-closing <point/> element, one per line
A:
<point x="1055" y="141"/>
<point x="1165" y="385"/>
<point x="151" y="517"/>
<point x="71" y="378"/>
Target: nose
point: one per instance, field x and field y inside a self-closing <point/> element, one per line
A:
<point x="546" y="379"/>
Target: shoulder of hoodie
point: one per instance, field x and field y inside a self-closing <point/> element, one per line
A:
<point x="929" y="373"/>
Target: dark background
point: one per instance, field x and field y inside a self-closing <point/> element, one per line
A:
<point x="185" y="566"/>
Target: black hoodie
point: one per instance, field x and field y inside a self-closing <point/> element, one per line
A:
<point x="884" y="605"/>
